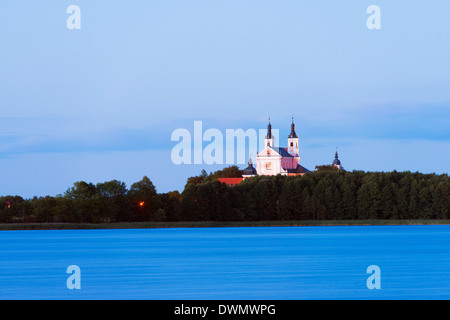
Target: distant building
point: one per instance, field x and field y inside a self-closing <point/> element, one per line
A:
<point x="231" y="181"/>
<point x="274" y="160"/>
<point x="249" y="171"/>
<point x="337" y="163"/>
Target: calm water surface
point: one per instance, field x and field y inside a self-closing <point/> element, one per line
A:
<point x="228" y="263"/>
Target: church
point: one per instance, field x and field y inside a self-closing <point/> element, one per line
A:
<point x="273" y="160"/>
<point x="278" y="160"/>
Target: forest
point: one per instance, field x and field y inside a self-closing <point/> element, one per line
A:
<point x="320" y="195"/>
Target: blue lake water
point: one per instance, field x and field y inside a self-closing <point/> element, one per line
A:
<point x="228" y="263"/>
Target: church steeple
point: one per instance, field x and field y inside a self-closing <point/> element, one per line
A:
<point x="269" y="130"/>
<point x="337" y="162"/>
<point x="268" y="141"/>
<point x="293" y="134"/>
<point x="293" y="140"/>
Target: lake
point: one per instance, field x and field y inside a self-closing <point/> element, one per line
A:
<point x="272" y="263"/>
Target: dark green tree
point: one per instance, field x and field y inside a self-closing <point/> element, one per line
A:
<point x="85" y="201"/>
<point x="144" y="200"/>
<point x="115" y="204"/>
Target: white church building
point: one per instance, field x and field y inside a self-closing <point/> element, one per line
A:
<point x="271" y="160"/>
<point x="277" y="160"/>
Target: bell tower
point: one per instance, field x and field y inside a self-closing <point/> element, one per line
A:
<point x="268" y="141"/>
<point x="293" y="141"/>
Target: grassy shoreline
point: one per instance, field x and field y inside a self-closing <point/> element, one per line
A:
<point x="214" y="224"/>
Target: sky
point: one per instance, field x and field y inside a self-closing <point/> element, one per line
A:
<point x="101" y="102"/>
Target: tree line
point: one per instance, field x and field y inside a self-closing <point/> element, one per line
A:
<point x="84" y="202"/>
<point x="320" y="195"/>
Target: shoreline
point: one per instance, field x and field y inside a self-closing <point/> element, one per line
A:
<point x="216" y="224"/>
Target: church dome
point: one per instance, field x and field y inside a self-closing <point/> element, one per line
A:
<point x="250" y="171"/>
<point x="336" y="161"/>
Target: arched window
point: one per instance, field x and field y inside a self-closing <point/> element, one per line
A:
<point x="268" y="165"/>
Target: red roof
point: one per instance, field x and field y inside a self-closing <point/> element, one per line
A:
<point x="231" y="181"/>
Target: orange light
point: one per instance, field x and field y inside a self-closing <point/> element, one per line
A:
<point x="141" y="204"/>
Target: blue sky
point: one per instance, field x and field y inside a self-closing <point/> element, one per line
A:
<point x="100" y="103"/>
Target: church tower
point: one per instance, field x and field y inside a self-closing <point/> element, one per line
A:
<point x="293" y="141"/>
<point x="268" y="141"/>
<point x="336" y="162"/>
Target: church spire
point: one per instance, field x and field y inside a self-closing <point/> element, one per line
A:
<point x="269" y="140"/>
<point x="336" y="160"/>
<point x="293" y="134"/>
<point x="293" y="141"/>
<point x="269" y="130"/>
